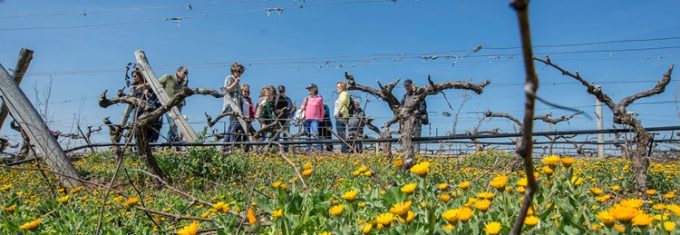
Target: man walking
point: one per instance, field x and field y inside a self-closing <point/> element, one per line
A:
<point x="173" y="84"/>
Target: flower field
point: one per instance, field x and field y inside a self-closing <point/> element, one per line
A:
<point x="357" y="194"/>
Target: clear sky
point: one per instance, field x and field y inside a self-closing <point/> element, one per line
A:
<point x="83" y="47"/>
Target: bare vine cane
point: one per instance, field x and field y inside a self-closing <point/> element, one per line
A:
<point x="521" y="8"/>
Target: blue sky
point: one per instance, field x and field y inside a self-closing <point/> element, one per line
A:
<point x="83" y="46"/>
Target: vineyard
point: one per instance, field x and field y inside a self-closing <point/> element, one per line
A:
<point x="350" y="168"/>
<point x="242" y="193"/>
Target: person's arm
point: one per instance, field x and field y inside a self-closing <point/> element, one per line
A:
<point x="323" y="112"/>
<point x="163" y="80"/>
<point x="230" y="84"/>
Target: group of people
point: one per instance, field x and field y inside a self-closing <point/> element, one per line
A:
<point x="275" y="111"/>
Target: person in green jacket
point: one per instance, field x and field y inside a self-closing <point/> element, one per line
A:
<point x="173" y="84"/>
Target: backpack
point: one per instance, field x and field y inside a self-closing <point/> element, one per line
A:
<point x="352" y="110"/>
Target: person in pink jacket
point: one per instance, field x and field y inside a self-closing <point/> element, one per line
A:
<point x="313" y="108"/>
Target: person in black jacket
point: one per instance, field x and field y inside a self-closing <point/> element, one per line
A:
<point x="325" y="128"/>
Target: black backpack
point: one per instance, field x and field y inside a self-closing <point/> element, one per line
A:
<point x="352" y="110"/>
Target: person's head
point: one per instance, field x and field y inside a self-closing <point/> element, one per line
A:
<point x="137" y="77"/>
<point x="182" y="72"/>
<point x="313" y="89"/>
<point x="282" y="90"/>
<point x="269" y="92"/>
<point x="237" y="69"/>
<point x="409" y="86"/>
<point x="340" y="87"/>
<point x="356" y="103"/>
<point x="245" y="90"/>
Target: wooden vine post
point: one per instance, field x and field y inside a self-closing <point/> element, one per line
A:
<point x="45" y="145"/>
<point x="188" y="133"/>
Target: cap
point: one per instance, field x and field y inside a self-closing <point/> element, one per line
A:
<point x="310" y="86"/>
<point x="408" y="82"/>
<point x="282" y="88"/>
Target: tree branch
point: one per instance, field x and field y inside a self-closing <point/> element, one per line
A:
<point x="659" y="88"/>
<point x="592" y="89"/>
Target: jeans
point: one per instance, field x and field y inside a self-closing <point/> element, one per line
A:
<point x="173" y="135"/>
<point x="312" y="127"/>
<point x="341" y="127"/>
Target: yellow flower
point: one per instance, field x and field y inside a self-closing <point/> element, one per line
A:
<point x="398" y="163"/>
<point x="616" y="188"/>
<point x="307" y="172"/>
<point x="650" y="192"/>
<point x="221" y="206"/>
<point x="596" y="191"/>
<point x="76" y="190"/>
<point x="11" y="208"/>
<point x="409" y="188"/>
<point x="464" y="214"/>
<point x="493" y="228"/>
<point x="551" y="160"/>
<point x="336" y="210"/>
<point x="482" y="205"/>
<point x="367" y="228"/>
<point x="603" y="198"/>
<point x="451" y="215"/>
<point x="31" y="225"/>
<point x="669" y="195"/>
<point x="499" y="182"/>
<point x="278" y="213"/>
<point x="131" y="202"/>
<point x="576" y="180"/>
<point x="547" y="170"/>
<point x="362" y="168"/>
<point x="659" y="206"/>
<point x="521" y="189"/>
<point x="632" y="203"/>
<point x="307" y="166"/>
<point x="531" y="221"/>
<point x="523" y="182"/>
<point x="485" y="195"/>
<point x="669" y="226"/>
<point x="642" y="220"/>
<point x="284" y="186"/>
<point x="362" y="204"/>
<point x="385" y="219"/>
<point x="448" y="228"/>
<point x="623" y="213"/>
<point x="190" y="229"/>
<point x="368" y="173"/>
<point x="251" y="216"/>
<point x="444" y="197"/>
<point x="117" y="199"/>
<point x="568" y="161"/>
<point x="464" y="185"/>
<point x="325" y="233"/>
<point x="410" y="216"/>
<point x="64" y="199"/>
<point x="675" y="209"/>
<point x="619" y="228"/>
<point x="401" y="208"/>
<point x="443" y="186"/>
<point x="6" y="187"/>
<point x="421" y="169"/>
<point x="350" y="195"/>
<point x="276" y="184"/>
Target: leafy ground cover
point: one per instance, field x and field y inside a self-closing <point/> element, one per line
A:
<point x="369" y="194"/>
